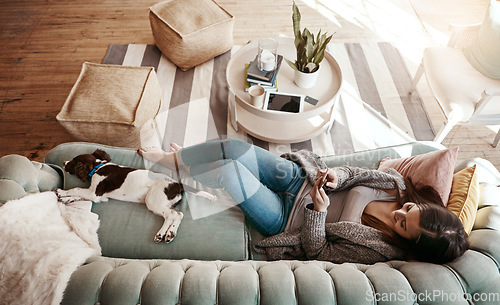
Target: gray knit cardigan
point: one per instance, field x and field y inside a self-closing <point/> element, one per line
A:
<point x="336" y="242"/>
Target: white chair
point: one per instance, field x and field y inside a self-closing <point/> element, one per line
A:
<point x="465" y="95"/>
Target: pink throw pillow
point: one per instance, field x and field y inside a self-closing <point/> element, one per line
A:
<point x="434" y="168"/>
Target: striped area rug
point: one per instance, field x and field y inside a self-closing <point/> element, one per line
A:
<point x="375" y="109"/>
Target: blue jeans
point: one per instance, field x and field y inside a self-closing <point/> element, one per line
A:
<point x="264" y="185"/>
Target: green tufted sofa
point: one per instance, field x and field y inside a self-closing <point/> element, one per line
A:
<point x="212" y="260"/>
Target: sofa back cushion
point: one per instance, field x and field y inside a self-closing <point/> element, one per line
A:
<point x="370" y="158"/>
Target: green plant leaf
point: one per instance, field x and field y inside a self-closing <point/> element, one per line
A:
<point x="309" y="44"/>
<point x="310" y="48"/>
<point x="321" y="54"/>
<point x="296" y="24"/>
<point x="311" y="67"/>
<point x="291" y="64"/>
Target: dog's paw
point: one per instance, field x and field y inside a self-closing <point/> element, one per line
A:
<point x="66" y="198"/>
<point x="69" y="200"/>
<point x="158" y="238"/>
<point x="61" y="193"/>
<point x="169" y="237"/>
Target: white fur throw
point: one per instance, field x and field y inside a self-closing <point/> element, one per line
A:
<point x="42" y="243"/>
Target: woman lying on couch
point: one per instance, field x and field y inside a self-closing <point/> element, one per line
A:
<point x="341" y="214"/>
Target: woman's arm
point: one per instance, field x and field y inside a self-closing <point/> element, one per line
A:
<point x="313" y="235"/>
<point x="319" y="244"/>
<point x="348" y="176"/>
<point x="345" y="177"/>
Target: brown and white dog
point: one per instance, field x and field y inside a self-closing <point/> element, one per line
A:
<point x="159" y="192"/>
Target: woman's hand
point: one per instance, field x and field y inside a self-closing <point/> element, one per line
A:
<point x="318" y="195"/>
<point x="330" y="180"/>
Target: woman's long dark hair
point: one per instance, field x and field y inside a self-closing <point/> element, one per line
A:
<point x="443" y="237"/>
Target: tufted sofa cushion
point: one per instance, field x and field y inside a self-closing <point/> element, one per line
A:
<point x="282" y="282"/>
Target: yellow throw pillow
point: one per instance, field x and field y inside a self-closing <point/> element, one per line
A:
<point x="464" y="196"/>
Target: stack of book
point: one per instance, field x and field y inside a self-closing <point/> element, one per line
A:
<point x="267" y="79"/>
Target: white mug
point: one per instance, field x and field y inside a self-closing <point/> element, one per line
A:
<point x="257" y="94"/>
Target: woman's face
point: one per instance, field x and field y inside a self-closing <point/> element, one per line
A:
<point x="406" y="221"/>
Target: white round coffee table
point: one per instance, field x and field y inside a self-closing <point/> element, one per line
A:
<point x="277" y="126"/>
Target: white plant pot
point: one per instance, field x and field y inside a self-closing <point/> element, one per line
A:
<point x="305" y="80"/>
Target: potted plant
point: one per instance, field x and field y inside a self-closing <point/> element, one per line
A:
<point x="310" y="52"/>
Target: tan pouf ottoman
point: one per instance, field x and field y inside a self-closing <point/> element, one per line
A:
<point x="113" y="105"/>
<point x="190" y="32"/>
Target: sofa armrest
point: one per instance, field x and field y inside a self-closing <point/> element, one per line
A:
<point x="487" y="172"/>
<point x="487" y="242"/>
<point x="19" y="177"/>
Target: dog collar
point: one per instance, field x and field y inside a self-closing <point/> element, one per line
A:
<point x="92" y="172"/>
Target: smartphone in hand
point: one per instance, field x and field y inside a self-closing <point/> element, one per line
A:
<point x="323" y="179"/>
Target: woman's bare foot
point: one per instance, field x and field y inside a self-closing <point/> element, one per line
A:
<point x="174" y="147"/>
<point x="153" y="154"/>
<point x="158" y="155"/>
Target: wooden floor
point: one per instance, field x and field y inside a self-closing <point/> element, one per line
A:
<point x="44" y="43"/>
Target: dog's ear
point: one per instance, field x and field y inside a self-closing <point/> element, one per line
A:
<point x="82" y="170"/>
<point x="101" y="155"/>
<point x="69" y="166"/>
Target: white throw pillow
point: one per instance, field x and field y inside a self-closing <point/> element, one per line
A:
<point x="484" y="52"/>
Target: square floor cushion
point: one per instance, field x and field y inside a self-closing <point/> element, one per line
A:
<point x="113" y="105"/>
<point x="190" y="32"/>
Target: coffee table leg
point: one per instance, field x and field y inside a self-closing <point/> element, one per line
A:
<point x="232" y="109"/>
<point x="331" y="116"/>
